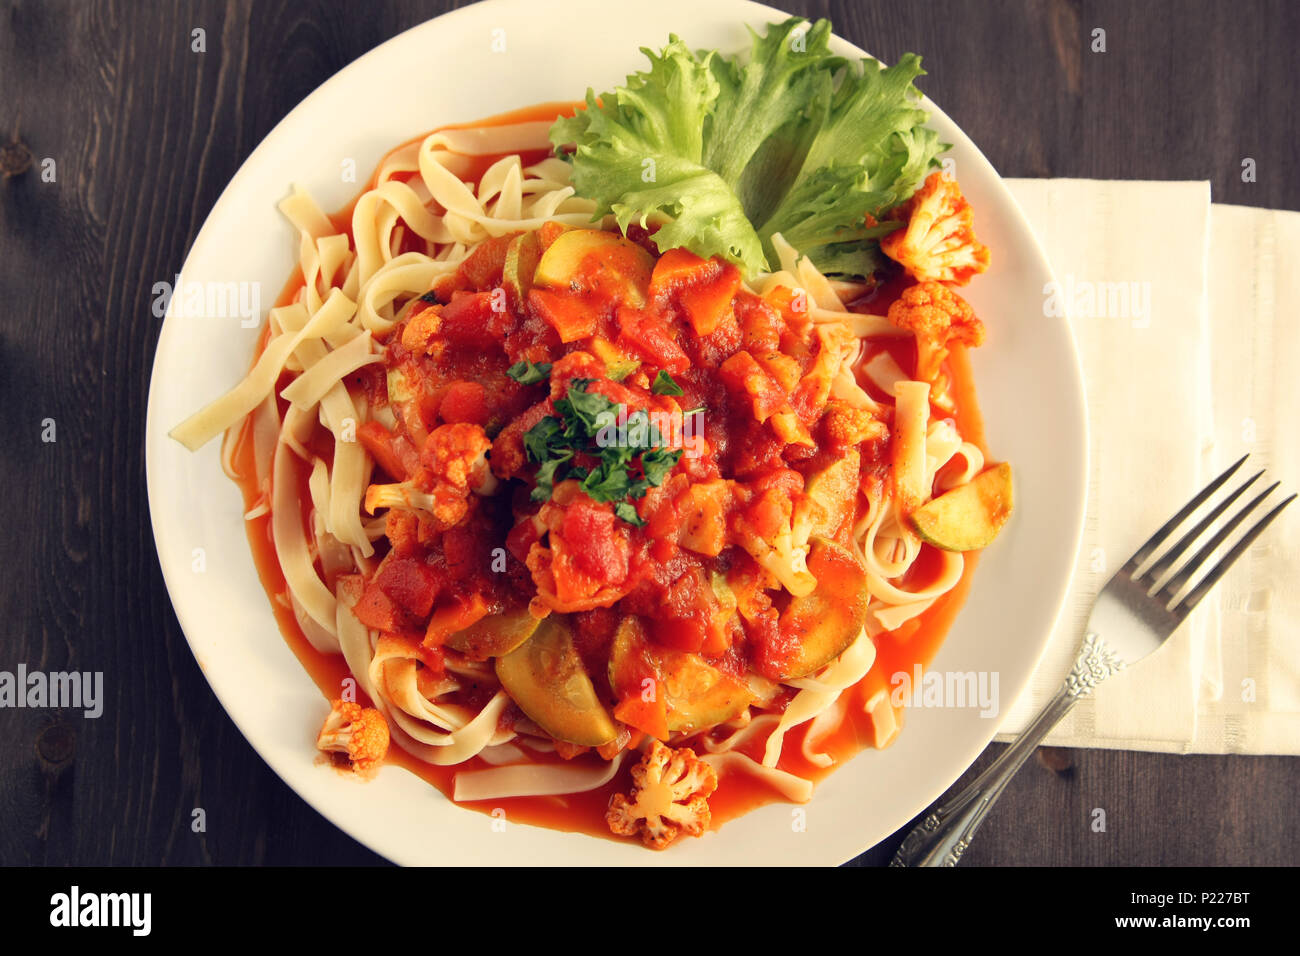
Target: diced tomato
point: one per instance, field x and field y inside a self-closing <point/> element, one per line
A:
<point x="682" y="633"/>
<point x="470" y="318"/>
<point x="464" y="402"/>
<point x="650" y="339"/>
<point x="482" y="268"/>
<point x="598" y="549"/>
<point x="410" y="583"/>
<point x="792" y="306"/>
<point x="549" y="232"/>
<point x="378" y="441"/>
<point x="717" y="635"/>
<point x="568" y="315"/>
<point x="786" y="482"/>
<point x="378" y="611"/>
<point x="753" y="448"/>
<point x="769" y="515"/>
<point x="507" y="456"/>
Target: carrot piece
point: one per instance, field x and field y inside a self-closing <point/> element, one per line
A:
<point x="564" y="314"/>
<point x="450" y="618"/>
<point x="650" y="717"/>
<point x="706" y="303"/>
<point x="679" y="268"/>
<point x="378" y="440"/>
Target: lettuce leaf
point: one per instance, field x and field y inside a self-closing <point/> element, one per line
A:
<point x="722" y="155"/>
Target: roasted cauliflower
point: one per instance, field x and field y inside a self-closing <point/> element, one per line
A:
<point x="939" y="318"/>
<point x="360" y="733"/>
<point x="454" y="462"/>
<point x="670" y="795"/>
<point x="937" y="240"/>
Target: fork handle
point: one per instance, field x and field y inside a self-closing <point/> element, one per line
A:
<point x="945" y="833"/>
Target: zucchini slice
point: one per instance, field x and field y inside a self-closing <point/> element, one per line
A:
<point x="495" y="636"/>
<point x="825" y="622"/>
<point x="522" y="256"/>
<point x="545" y="678"/>
<point x="968" y="517"/>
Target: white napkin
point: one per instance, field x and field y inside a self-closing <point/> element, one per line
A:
<point x="1177" y="307"/>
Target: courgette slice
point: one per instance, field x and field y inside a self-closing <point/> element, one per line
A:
<point x="522" y="256"/>
<point x="970" y="516"/>
<point x="697" y="694"/>
<point x="825" y="622"/>
<point x="545" y="678"/>
<point x="623" y="262"/>
<point x="494" y="636"/>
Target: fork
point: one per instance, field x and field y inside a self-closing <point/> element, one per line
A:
<point x="1140" y="606"/>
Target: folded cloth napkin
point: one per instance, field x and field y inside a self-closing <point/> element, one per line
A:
<point x="1177" y="306"/>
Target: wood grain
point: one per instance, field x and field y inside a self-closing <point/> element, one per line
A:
<point x="145" y="133"/>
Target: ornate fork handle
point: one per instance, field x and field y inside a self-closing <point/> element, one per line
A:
<point x="945" y="833"/>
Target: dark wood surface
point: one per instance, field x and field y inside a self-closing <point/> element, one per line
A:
<point x="145" y="134"/>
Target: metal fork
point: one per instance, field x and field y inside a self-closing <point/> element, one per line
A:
<point x="1139" y="607"/>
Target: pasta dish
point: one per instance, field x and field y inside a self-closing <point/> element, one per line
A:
<point x="604" y="461"/>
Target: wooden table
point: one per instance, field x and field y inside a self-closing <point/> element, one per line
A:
<point x="145" y="133"/>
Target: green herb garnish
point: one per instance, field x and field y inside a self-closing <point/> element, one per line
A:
<point x="527" y="373"/>
<point x="664" y="385"/>
<point x="628" y="461"/>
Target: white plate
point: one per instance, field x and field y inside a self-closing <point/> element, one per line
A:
<point x="446" y="71"/>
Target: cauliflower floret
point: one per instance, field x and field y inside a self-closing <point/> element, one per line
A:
<point x="938" y="240"/>
<point x="846" y="425"/>
<point x="670" y="797"/>
<point x="444" y="506"/>
<point x="939" y="317"/>
<point x="457" y="455"/>
<point x="455" y="462"/>
<point x="360" y="733"/>
<point x="421" y="328"/>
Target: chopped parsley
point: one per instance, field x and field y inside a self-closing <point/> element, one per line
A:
<point x="527" y="373"/>
<point x="664" y="385"/>
<point x="621" y="470"/>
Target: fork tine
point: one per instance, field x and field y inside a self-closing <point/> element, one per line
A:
<point x="1175" y="554"/>
<point x="1194" y="564"/>
<point x="1140" y="556"/>
<point x="1212" y="578"/>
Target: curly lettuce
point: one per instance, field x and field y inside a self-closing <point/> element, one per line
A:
<point x="723" y="154"/>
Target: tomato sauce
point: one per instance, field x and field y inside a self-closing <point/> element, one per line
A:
<point x="913" y="644"/>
